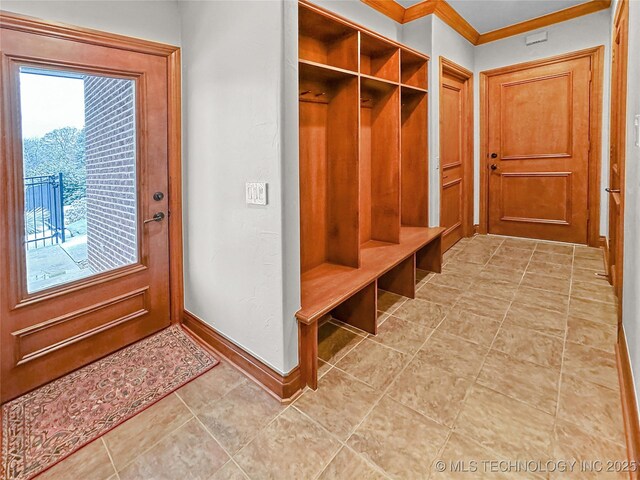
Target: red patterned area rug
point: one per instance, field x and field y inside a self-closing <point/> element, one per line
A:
<point x="48" y="424"/>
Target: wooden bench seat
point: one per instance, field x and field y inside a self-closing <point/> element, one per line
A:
<point x="350" y="294"/>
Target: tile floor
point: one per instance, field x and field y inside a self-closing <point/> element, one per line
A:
<point x="507" y="355"/>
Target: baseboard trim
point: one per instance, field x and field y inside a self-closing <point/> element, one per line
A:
<point x="604" y="244"/>
<point x="284" y="388"/>
<point x="629" y="401"/>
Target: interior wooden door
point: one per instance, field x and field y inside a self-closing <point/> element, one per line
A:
<point x="455" y="152"/>
<point x="84" y="242"/>
<point x="538" y="151"/>
<point x="617" y="145"/>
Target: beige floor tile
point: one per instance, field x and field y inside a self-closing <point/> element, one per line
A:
<point x="401" y="334"/>
<point x="542" y="298"/>
<point x="529" y="346"/>
<point x="189" y="450"/>
<point x="464" y="268"/>
<point x="594" y="311"/>
<point x="494" y="288"/>
<point x="230" y="471"/>
<point x="399" y="440"/>
<point x="323" y="368"/>
<point x="453" y="354"/>
<point x="591" y="364"/>
<point x="557" y="248"/>
<point x="373" y="363"/>
<point x="505" y="261"/>
<point x="430" y="390"/>
<point x="238" y="416"/>
<point x="339" y="404"/>
<point x="130" y="439"/>
<point x="452" y="279"/>
<point x="501" y="273"/>
<point x="505" y="425"/>
<point x="422" y="312"/>
<point x="522" y="243"/>
<point x="334" y="342"/>
<point x="555" y="258"/>
<point x="589" y="275"/>
<point x="291" y="447"/>
<point x="211" y="386"/>
<point x="446" y="296"/>
<point x="514" y="252"/>
<point x="524" y="381"/>
<point x="389" y="302"/>
<point x="490" y="240"/>
<point x="549" y="269"/>
<point x="490" y="307"/>
<point x="473" y="328"/>
<point x="347" y="465"/>
<point x="449" y="255"/>
<point x="573" y="443"/>
<point x="589" y="263"/>
<point x="592" y="334"/>
<point x="545" y="282"/>
<point x="479" y="256"/>
<point x="600" y="292"/>
<point x="538" y="319"/>
<point x="588" y="252"/>
<point x="91" y="462"/>
<point x="591" y="407"/>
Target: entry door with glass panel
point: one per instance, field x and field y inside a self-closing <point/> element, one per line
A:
<point x="84" y="236"/>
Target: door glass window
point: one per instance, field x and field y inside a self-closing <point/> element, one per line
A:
<point x="80" y="194"/>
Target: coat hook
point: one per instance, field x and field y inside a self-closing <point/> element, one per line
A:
<point x="305" y="92"/>
<point x="320" y="94"/>
<point x="365" y="100"/>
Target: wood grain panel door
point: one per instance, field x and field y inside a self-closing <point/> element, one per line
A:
<point x="84" y="238"/>
<point x="618" y="145"/>
<point x="456" y="147"/>
<point x="538" y="151"/>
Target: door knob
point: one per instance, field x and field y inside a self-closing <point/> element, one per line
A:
<point x="612" y="190"/>
<point x="158" y="196"/>
<point x="494" y="155"/>
<point x="494" y="166"/>
<point x="158" y="217"/>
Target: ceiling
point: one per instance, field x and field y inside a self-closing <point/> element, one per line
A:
<point x="488" y="15"/>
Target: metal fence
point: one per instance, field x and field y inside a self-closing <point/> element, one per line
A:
<point x="44" y="210"/>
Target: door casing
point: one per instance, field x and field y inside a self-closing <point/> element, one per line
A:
<point x="450" y="68"/>
<point x="35" y="26"/>
<point x="595" y="132"/>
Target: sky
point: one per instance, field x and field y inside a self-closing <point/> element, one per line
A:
<point x="49" y="102"/>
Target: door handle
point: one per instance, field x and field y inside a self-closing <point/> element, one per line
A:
<point x="494" y="166"/>
<point x="612" y="190"/>
<point x="158" y="217"/>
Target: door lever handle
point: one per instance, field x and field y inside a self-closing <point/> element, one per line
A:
<point x="612" y="190"/>
<point x="158" y="217"/>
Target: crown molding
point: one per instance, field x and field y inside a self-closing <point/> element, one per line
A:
<point x="451" y="17"/>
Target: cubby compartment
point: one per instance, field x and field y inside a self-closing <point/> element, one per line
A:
<point x="379" y="161"/>
<point x="415" y="158"/>
<point x="413" y="69"/>
<point x="379" y="58"/>
<point x="326" y="41"/>
<point x="329" y="216"/>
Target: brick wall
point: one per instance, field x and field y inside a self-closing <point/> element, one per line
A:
<point x="111" y="172"/>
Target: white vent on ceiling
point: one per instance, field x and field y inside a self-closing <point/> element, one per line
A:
<point x="536" y="38"/>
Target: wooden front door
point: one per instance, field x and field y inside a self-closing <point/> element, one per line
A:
<point x="85" y="264"/>
<point x="538" y="151"/>
<point x="456" y="152"/>
<point x="618" y="145"/>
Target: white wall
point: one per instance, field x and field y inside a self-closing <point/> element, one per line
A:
<point x="584" y="32"/>
<point x="237" y="273"/>
<point x="158" y="21"/>
<point x="631" y="262"/>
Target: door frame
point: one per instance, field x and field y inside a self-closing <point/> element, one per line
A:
<point x="37" y="26"/>
<point x="596" y="54"/>
<point x="466" y="76"/>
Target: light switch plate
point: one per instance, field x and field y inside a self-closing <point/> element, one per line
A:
<point x="256" y="193"/>
<point x="636" y="127"/>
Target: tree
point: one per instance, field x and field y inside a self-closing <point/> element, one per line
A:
<point x="59" y="151"/>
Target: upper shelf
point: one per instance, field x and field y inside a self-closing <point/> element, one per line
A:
<point x="323" y="40"/>
<point x="413" y="69"/>
<point x="379" y="58"/>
